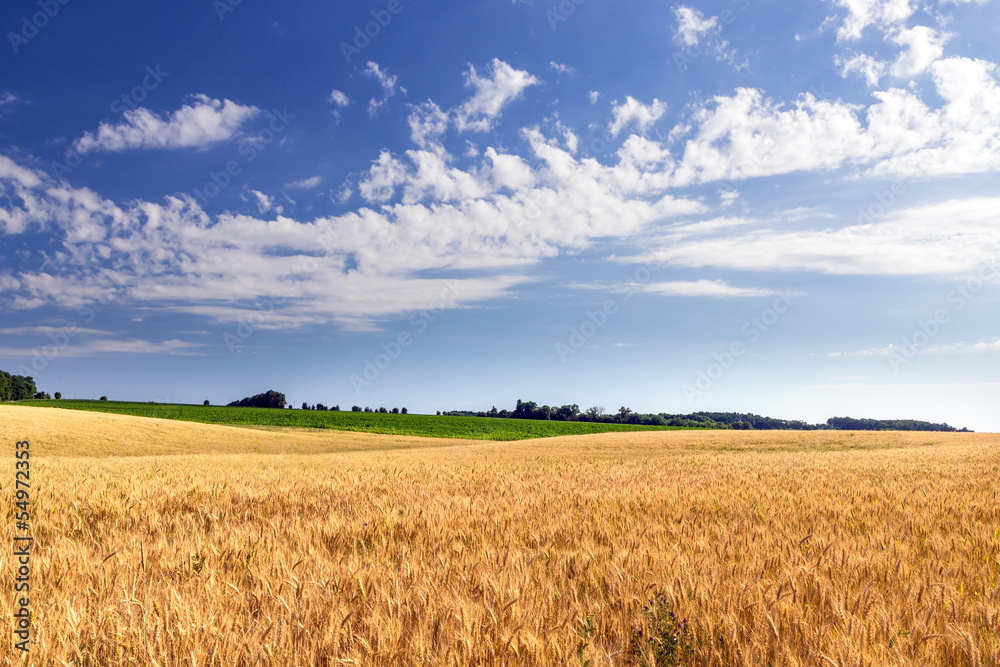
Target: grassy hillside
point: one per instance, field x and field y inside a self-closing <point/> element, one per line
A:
<point x="475" y="428"/>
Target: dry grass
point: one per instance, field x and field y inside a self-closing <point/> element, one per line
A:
<point x="780" y="548"/>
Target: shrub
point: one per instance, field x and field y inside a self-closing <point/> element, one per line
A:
<point x="104" y="398"/>
<point x="207" y="402"/>
<point x="669" y="641"/>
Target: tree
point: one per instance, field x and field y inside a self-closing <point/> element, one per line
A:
<point x="382" y="410"/>
<point x="269" y="399"/>
<point x="395" y="411"/>
<point x="566" y="412"/>
<point x="104" y="398"/>
<point x="355" y="408"/>
<point x="58" y="395"/>
<point x="595" y="413"/>
<point x="305" y="406"/>
<point x="207" y="402"/>
<point x="403" y="411"/>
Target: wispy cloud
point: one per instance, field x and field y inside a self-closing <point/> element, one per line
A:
<point x="96" y="348"/>
<point x="305" y="183"/>
<point x="388" y="83"/>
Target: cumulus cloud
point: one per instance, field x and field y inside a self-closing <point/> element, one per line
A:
<point x="427" y="123"/>
<point x="204" y="121"/>
<point x="882" y="14"/>
<point x="635" y="112"/>
<point x="497" y="217"/>
<point x="923" y="46"/>
<point x="864" y="65"/>
<point x="496" y="87"/>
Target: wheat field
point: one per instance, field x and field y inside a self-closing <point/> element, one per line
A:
<point x="186" y="544"/>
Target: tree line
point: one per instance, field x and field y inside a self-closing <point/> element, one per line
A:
<point x="275" y="399"/>
<point x="711" y="420"/>
<point x="17" y="387"/>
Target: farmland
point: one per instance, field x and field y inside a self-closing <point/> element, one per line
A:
<point x="474" y="428"/>
<point x="168" y="542"/>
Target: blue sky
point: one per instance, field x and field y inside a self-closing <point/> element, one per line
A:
<point x="775" y="207"/>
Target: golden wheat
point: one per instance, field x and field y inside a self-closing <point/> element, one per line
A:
<point x="781" y="548"/>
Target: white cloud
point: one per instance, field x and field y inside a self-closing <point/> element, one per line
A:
<point x="339" y="98"/>
<point x="907" y="242"/>
<point x="102" y="347"/>
<point x="203" y="122"/>
<point x="923" y="46"/>
<point x="864" y="65"/>
<point x="717" y="289"/>
<point x="747" y="136"/>
<point x="497" y="217"/>
<point x="692" y="26"/>
<point x="882" y="14"/>
<point x="498" y="86"/>
<point x="633" y="111"/>
<point x="46" y="330"/>
<point x="427" y="124"/>
<point x="344" y="194"/>
<point x="305" y="183"/>
<point x="593" y="96"/>
<point x="961" y="347"/>
<point x="961" y="137"/>
<point x="383" y="176"/>
<point x="264" y="203"/>
<point x="388" y="83"/>
<point x="561" y="68"/>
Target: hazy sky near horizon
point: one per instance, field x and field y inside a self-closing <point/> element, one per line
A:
<point x="789" y="208"/>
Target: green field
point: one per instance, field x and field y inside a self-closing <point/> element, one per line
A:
<point x="476" y="428"/>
